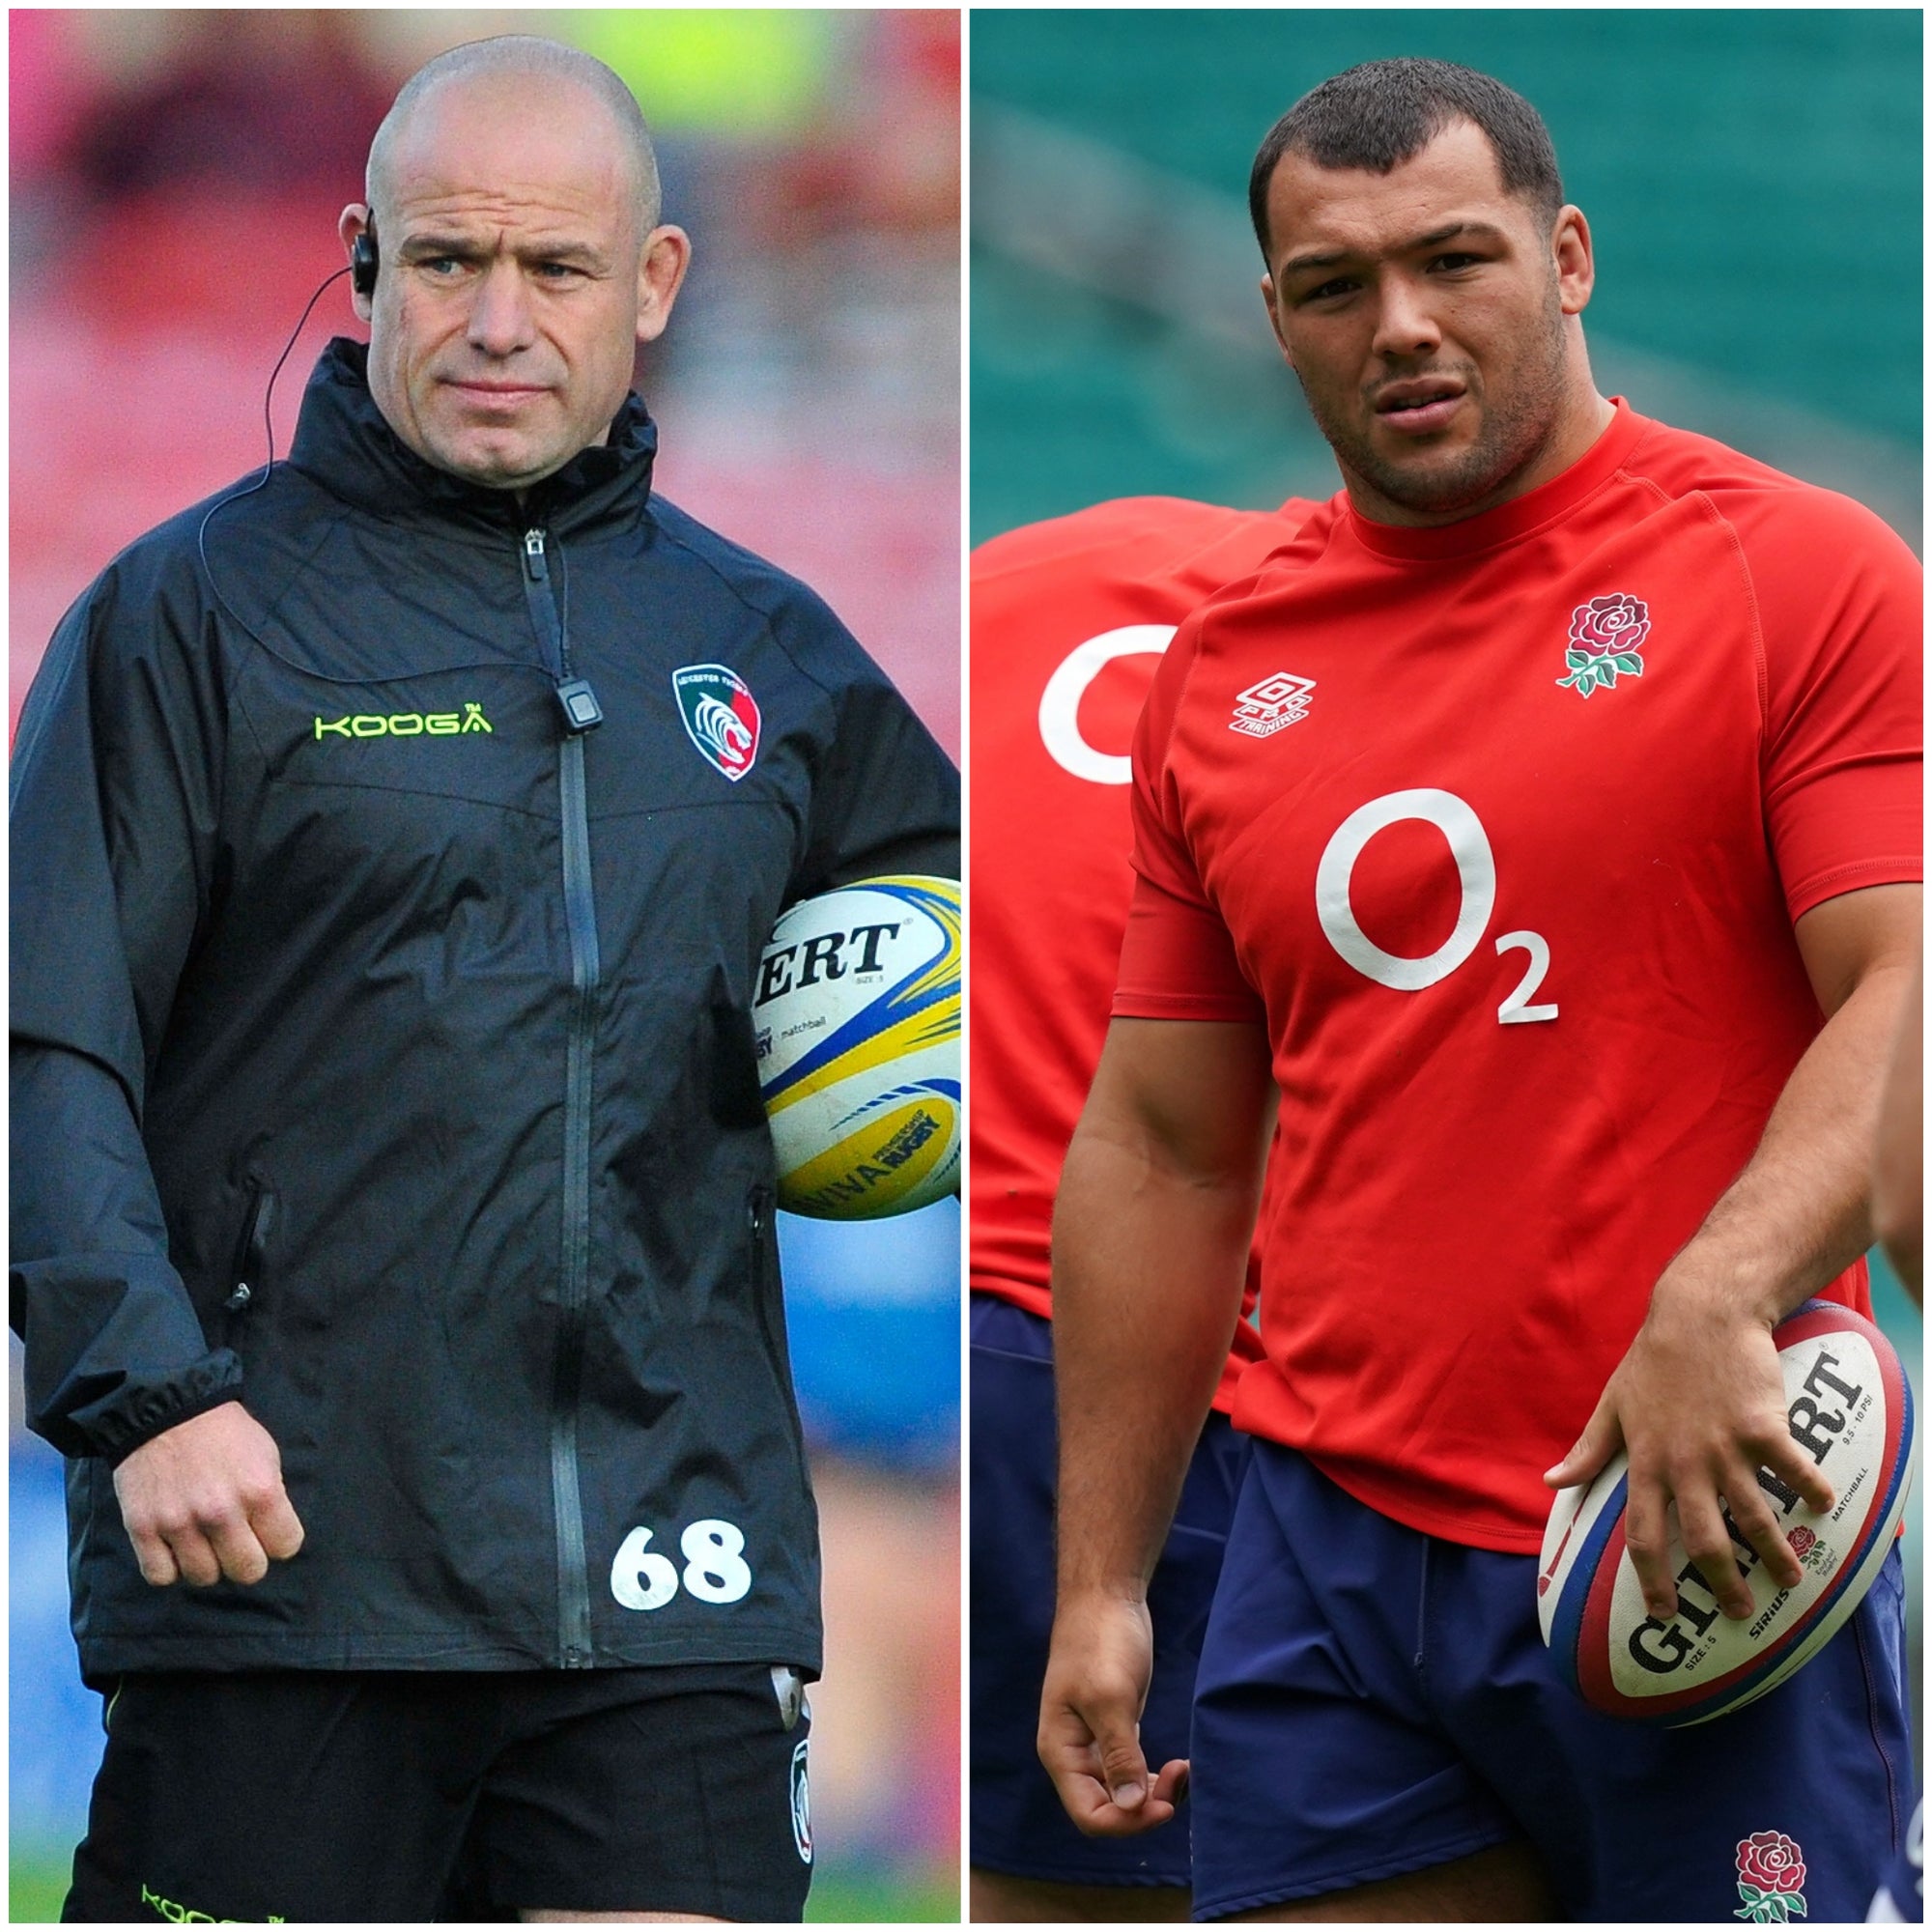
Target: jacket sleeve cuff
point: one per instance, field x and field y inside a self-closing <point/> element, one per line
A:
<point x="115" y="1352"/>
<point x="143" y="1410"/>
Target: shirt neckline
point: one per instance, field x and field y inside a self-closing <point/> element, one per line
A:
<point x="1517" y="518"/>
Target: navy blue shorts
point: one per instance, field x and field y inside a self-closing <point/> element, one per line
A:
<point x="1374" y="1701"/>
<point x="1017" y="1823"/>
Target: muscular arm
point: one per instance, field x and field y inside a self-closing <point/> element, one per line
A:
<point x="1698" y="1401"/>
<point x="1151" y="1238"/>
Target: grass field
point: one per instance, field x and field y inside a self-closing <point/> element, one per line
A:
<point x="880" y="1901"/>
<point x="37" y="1885"/>
<point x="34" y="1889"/>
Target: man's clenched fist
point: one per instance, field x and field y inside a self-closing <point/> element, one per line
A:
<point x="205" y="1500"/>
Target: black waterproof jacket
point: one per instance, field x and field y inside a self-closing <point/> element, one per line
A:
<point x="383" y="1050"/>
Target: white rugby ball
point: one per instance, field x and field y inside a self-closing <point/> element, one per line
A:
<point x="856" y="1020"/>
<point x="1850" y="1406"/>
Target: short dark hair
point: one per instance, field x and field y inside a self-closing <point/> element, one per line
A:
<point x="1386" y="112"/>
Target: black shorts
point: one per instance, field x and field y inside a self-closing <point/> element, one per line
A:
<point x="395" y="1796"/>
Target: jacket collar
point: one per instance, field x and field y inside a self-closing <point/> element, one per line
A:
<point x="343" y="442"/>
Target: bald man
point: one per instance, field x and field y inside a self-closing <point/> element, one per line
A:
<point x="394" y="842"/>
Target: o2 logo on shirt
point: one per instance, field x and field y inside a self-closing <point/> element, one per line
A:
<point x="1475" y="864"/>
<point x="1060" y="701"/>
<point x="715" y="1570"/>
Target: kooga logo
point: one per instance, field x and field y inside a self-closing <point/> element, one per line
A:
<point x="404" y="724"/>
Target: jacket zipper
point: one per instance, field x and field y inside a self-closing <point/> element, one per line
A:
<point x="249" y="1252"/>
<point x="579" y="707"/>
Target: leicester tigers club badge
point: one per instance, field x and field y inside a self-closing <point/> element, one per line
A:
<point x="721" y="716"/>
<point x="1605" y="635"/>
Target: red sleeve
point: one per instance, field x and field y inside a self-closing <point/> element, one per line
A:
<point x="1176" y="959"/>
<point x="1840" y="606"/>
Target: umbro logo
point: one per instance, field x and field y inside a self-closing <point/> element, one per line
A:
<point x="1279" y="701"/>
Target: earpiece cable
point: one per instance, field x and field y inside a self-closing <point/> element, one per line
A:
<point x="267" y="467"/>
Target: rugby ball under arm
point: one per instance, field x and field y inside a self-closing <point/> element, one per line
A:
<point x="855" y="1024"/>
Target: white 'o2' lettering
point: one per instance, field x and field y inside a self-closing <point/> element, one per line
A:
<point x="1476" y="867"/>
<point x="715" y="1570"/>
<point x="1470" y="846"/>
<point x="1513" y="1007"/>
<point x="1060" y="701"/>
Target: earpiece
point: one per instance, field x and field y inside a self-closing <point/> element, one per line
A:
<point x="364" y="261"/>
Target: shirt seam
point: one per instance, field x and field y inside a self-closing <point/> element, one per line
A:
<point x="1205" y="611"/>
<point x="1899" y="870"/>
<point x="765" y="617"/>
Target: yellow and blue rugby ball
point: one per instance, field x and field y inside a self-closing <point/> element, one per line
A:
<point x="857" y="1019"/>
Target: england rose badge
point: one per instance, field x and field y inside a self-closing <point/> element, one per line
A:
<point x="1605" y="637"/>
<point x="1771" y="1879"/>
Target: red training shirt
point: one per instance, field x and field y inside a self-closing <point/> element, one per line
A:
<point x="1069" y="619"/>
<point x="1501" y="829"/>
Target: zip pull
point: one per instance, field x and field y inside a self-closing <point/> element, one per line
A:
<point x="757" y="1214"/>
<point x="575" y="698"/>
<point x="248" y="1259"/>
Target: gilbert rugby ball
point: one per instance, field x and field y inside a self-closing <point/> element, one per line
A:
<point x="856" y="1020"/>
<point x="1849" y="1407"/>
